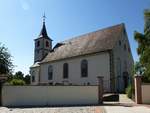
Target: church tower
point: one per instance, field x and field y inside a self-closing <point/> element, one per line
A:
<point x="43" y="44"/>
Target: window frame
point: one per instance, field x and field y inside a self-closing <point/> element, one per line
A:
<point x="84" y="68"/>
<point x="38" y="43"/>
<point x="47" y="44"/>
<point x="65" y="71"/>
<point x="50" y="72"/>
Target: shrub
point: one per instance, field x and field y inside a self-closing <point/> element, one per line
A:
<point x="17" y="82"/>
<point x="129" y="91"/>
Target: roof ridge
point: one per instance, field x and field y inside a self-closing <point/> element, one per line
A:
<point x="81" y="36"/>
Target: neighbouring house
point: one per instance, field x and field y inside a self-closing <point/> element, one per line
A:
<point x="80" y="60"/>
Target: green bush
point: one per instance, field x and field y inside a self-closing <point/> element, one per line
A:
<point x="17" y="82"/>
<point x="129" y="91"/>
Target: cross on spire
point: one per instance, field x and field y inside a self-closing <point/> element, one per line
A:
<point x="44" y="17"/>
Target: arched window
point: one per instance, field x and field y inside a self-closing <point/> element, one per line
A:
<point x="33" y="76"/>
<point x="38" y="43"/>
<point x="47" y="44"/>
<point x="65" y="70"/>
<point x="50" y="72"/>
<point x="84" y="68"/>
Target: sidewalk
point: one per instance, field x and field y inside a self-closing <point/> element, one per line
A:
<point x="125" y="105"/>
<point x="123" y="109"/>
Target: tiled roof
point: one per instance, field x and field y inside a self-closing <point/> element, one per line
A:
<point x="98" y="41"/>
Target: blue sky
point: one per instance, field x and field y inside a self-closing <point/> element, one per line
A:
<point x="21" y="21"/>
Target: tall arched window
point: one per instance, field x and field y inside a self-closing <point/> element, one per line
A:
<point x="33" y="76"/>
<point x="84" y="68"/>
<point x="65" y="70"/>
<point x="47" y="44"/>
<point x="50" y="72"/>
<point x="38" y="43"/>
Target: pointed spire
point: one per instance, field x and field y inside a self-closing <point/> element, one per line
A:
<point x="43" y="32"/>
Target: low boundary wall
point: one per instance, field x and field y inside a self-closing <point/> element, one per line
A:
<point x="49" y="95"/>
<point x="146" y="93"/>
<point x="142" y="91"/>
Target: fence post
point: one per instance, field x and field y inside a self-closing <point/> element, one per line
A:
<point x="100" y="89"/>
<point x="138" y="89"/>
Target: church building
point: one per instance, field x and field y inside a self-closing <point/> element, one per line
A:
<point x="80" y="60"/>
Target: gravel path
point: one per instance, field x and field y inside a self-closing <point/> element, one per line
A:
<point x="123" y="109"/>
<point x="89" y="109"/>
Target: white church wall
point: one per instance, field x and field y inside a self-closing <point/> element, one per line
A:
<point x="98" y="65"/>
<point x="124" y="55"/>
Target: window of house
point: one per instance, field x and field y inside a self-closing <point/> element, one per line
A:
<point x="47" y="44"/>
<point x="124" y="31"/>
<point x="84" y="68"/>
<point x="33" y="76"/>
<point x="125" y="47"/>
<point x="65" y="70"/>
<point x="50" y="72"/>
<point x="38" y="43"/>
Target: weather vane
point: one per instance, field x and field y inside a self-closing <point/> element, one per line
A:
<point x="44" y="17"/>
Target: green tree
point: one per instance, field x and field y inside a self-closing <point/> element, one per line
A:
<point x="27" y="79"/>
<point x="18" y="79"/>
<point x="18" y="75"/>
<point x="6" y="65"/>
<point x="144" y="47"/>
<point x="17" y="82"/>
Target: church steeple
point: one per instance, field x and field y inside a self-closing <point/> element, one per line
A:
<point x="43" y="32"/>
<point x="43" y="44"/>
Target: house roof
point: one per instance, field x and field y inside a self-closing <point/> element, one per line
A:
<point x="35" y="65"/>
<point x="98" y="41"/>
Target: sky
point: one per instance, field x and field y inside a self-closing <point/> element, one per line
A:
<point x="21" y="22"/>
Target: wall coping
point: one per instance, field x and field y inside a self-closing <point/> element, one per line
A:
<point x="145" y="83"/>
<point x="51" y="85"/>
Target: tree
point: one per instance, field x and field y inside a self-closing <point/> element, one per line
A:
<point x="144" y="47"/>
<point x="18" y="79"/>
<point x="19" y="75"/>
<point x="27" y="79"/>
<point x="17" y="82"/>
<point x="6" y="65"/>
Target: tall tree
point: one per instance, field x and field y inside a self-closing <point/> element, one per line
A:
<point x="27" y="79"/>
<point x="144" y="47"/>
<point x="6" y="65"/>
<point x="18" y="75"/>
